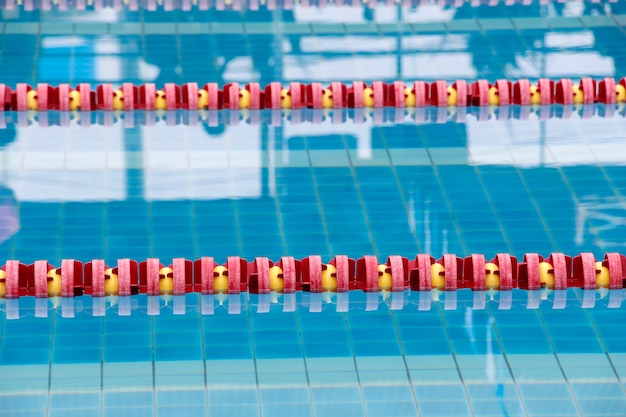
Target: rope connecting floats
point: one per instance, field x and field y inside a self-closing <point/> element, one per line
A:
<point x="186" y="5"/>
<point x="288" y="275"/>
<point x="336" y="95"/>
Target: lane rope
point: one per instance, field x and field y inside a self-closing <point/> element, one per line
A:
<point x="295" y="95"/>
<point x="503" y="272"/>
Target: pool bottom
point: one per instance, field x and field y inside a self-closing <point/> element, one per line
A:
<point x="437" y="385"/>
<point x="528" y="360"/>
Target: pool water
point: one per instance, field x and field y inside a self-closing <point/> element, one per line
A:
<point x="264" y="184"/>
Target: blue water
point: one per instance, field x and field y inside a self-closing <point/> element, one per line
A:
<point x="389" y="185"/>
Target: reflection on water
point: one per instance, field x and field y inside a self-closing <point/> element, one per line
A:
<point x="354" y="187"/>
<point x="305" y="44"/>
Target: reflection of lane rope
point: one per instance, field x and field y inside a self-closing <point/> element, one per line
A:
<point x="288" y="275"/>
<point x="186" y="5"/>
<point x="358" y="95"/>
<point x="215" y="118"/>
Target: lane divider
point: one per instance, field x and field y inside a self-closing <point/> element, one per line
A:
<point x="295" y="95"/>
<point x="503" y="272"/>
<point x="186" y="5"/>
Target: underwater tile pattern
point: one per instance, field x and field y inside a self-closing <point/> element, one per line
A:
<point x="300" y="189"/>
<point x="377" y="358"/>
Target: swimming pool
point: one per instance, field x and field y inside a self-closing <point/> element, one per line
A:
<point x="179" y="184"/>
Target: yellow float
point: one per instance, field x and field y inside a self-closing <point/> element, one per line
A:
<point x="603" y="277"/>
<point x="54" y="283"/>
<point x="32" y="100"/>
<point x="203" y="99"/>
<point x="277" y="283"/>
<point x="111" y="282"/>
<point x="329" y="278"/>
<point x="409" y="97"/>
<point x="160" y="103"/>
<point x="368" y="97"/>
<point x="579" y="97"/>
<point x="437" y="276"/>
<point x="74" y="100"/>
<point x="166" y="281"/>
<point x="220" y="279"/>
<point x="453" y="96"/>
<point x="118" y="100"/>
<point x="492" y="276"/>
<point x="244" y="99"/>
<point x="327" y="99"/>
<point x="535" y="95"/>
<point x="385" y="280"/>
<point x="3" y="285"/>
<point x="494" y="96"/>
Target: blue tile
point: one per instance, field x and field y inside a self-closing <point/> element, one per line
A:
<point x="287" y="409"/>
<point x="24" y="402"/>
<point x="230" y="396"/>
<point x="234" y="410"/>
<point x="128" y="412"/>
<point x="341" y="409"/>
<point x="387" y="393"/>
<point x="444" y="408"/>
<point x="87" y="412"/>
<point x="168" y="398"/>
<point x="336" y="394"/>
<point x="553" y="407"/>
<point x="392" y="409"/>
<point x="191" y="411"/>
<point x="284" y="395"/>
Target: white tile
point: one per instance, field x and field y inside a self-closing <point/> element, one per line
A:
<point x="373" y="363"/>
<point x="324" y="379"/>
<point x="286" y="379"/>
<point x="431" y="362"/>
<point x="586" y="360"/>
<point x="219" y="367"/>
<point x="127" y="369"/>
<point x="316" y="365"/>
<point x="12" y="372"/>
<point x="76" y="370"/>
<point x="599" y="374"/>
<point x="534" y="361"/>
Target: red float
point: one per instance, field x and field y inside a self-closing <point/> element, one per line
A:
<point x="439" y="94"/>
<point x="345" y="272"/>
<point x="528" y="274"/>
<point x="562" y="266"/>
<point x="399" y="273"/>
<point x="584" y="271"/>
<point x="480" y="93"/>
<point x="521" y="92"/>
<point x="16" y="279"/>
<point x="474" y="275"/>
<point x="367" y="274"/>
<point x="291" y="268"/>
<point x="616" y="263"/>
<point x="104" y="97"/>
<point x="256" y="96"/>
<point x="203" y="275"/>
<point x="259" y="276"/>
<point x="508" y="270"/>
<point x="606" y="91"/>
<point x="272" y="96"/>
<point x="312" y="274"/>
<point x="420" y="272"/>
